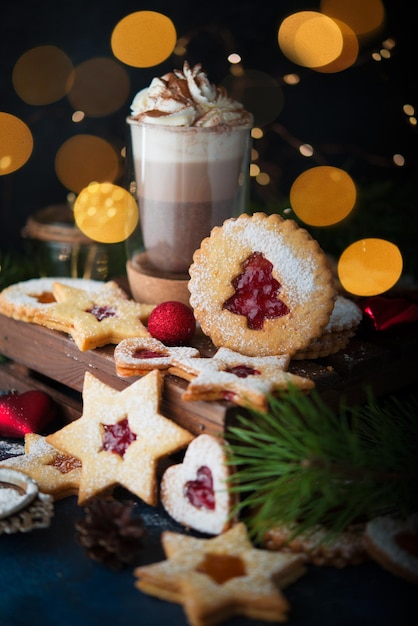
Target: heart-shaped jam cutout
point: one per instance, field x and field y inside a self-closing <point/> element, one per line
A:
<point x="28" y="412"/>
<point x="256" y="293"/>
<point x="200" y="491"/>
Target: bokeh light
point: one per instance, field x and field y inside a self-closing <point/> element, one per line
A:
<point x="364" y="17"/>
<point x="42" y="75"/>
<point x="310" y="39"/>
<point x="143" y="39"/>
<point x="348" y="54"/>
<point x="83" y="159"/>
<point x="323" y="195"/>
<point x="101" y="86"/>
<point x="105" y="212"/>
<point x="16" y="143"/>
<point x="369" y="267"/>
<point x="259" y="92"/>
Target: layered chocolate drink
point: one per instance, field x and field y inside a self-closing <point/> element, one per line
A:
<point x="190" y="147"/>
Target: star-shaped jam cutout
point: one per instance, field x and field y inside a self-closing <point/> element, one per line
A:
<point x="94" y="319"/>
<point x="151" y="436"/>
<point x="243" y="380"/>
<point x="256" y="292"/>
<point x="222" y="577"/>
<point x="56" y="473"/>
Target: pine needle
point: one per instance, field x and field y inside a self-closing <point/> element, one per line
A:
<point x="301" y="463"/>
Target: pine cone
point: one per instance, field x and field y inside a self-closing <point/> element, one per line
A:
<point x="109" y="533"/>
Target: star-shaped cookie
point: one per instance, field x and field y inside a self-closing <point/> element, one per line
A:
<point x="94" y="320"/>
<point x="120" y="437"/>
<point x="56" y="473"/>
<point x="218" y="578"/>
<point x="243" y="380"/>
<point x="136" y="356"/>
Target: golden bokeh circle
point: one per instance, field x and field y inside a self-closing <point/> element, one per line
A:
<point x="365" y="17"/>
<point x="101" y="86"/>
<point x="42" y="75"/>
<point x="349" y="52"/>
<point x="143" y="39"/>
<point x="310" y="39"/>
<point x="106" y="212"/>
<point x="369" y="267"/>
<point x="323" y="195"/>
<point x="83" y="159"/>
<point x="16" y="143"/>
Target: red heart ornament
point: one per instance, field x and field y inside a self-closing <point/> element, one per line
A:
<point x="28" y="412"/>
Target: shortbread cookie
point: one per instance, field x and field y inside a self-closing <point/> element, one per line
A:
<point x="260" y="285"/>
<point x="222" y="577"/>
<point x="244" y="380"/>
<point x="23" y="299"/>
<point x="346" y="549"/>
<point x="392" y="542"/>
<point x="196" y="492"/>
<point x="136" y="356"/>
<point x="120" y="437"/>
<point x="94" y="319"/>
<point x="56" y="473"/>
<point x="344" y="321"/>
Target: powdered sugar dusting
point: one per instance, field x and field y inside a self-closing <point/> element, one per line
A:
<point x="296" y="273"/>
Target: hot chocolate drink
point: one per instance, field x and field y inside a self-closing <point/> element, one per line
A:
<point x="190" y="146"/>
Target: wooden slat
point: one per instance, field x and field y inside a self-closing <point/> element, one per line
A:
<point x="382" y="363"/>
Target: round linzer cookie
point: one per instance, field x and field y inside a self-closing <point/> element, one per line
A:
<point x="342" y="325"/>
<point x="261" y="285"/>
<point x="392" y="542"/>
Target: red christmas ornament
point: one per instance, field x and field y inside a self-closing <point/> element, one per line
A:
<point x="28" y="412"/>
<point x="173" y="323"/>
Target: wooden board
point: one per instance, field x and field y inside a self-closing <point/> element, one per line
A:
<point x="47" y="359"/>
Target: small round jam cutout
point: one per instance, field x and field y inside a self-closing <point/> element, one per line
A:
<point x="256" y="293"/>
<point x="200" y="491"/>
<point x="143" y="353"/>
<point x="117" y="437"/>
<point x="101" y="312"/>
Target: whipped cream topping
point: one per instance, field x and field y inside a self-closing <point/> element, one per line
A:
<point x="187" y="98"/>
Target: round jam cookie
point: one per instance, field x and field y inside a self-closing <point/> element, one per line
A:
<point x="393" y="543"/>
<point x="343" y="323"/>
<point x="260" y="285"/>
<point x="136" y="356"/>
<point x="23" y="299"/>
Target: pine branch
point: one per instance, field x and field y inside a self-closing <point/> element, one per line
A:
<point x="302" y="463"/>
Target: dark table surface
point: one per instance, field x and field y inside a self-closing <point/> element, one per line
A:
<point x="47" y="579"/>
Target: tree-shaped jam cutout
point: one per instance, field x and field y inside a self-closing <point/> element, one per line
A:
<point x="256" y="293"/>
<point x="200" y="491"/>
<point x="117" y="437"/>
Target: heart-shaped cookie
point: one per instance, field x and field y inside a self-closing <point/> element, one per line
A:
<point x="28" y="412"/>
<point x="195" y="492"/>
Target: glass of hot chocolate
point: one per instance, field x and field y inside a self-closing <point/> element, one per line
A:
<point x="189" y="152"/>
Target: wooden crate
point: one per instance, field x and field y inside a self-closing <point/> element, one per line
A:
<point x="50" y="360"/>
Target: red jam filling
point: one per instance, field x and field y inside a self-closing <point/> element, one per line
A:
<point x="65" y="464"/>
<point x="200" y="491"/>
<point x="256" y="293"/>
<point x="221" y="567"/>
<point x="143" y="353"/>
<point x="101" y="312"/>
<point x="117" y="437"/>
<point x="242" y="371"/>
